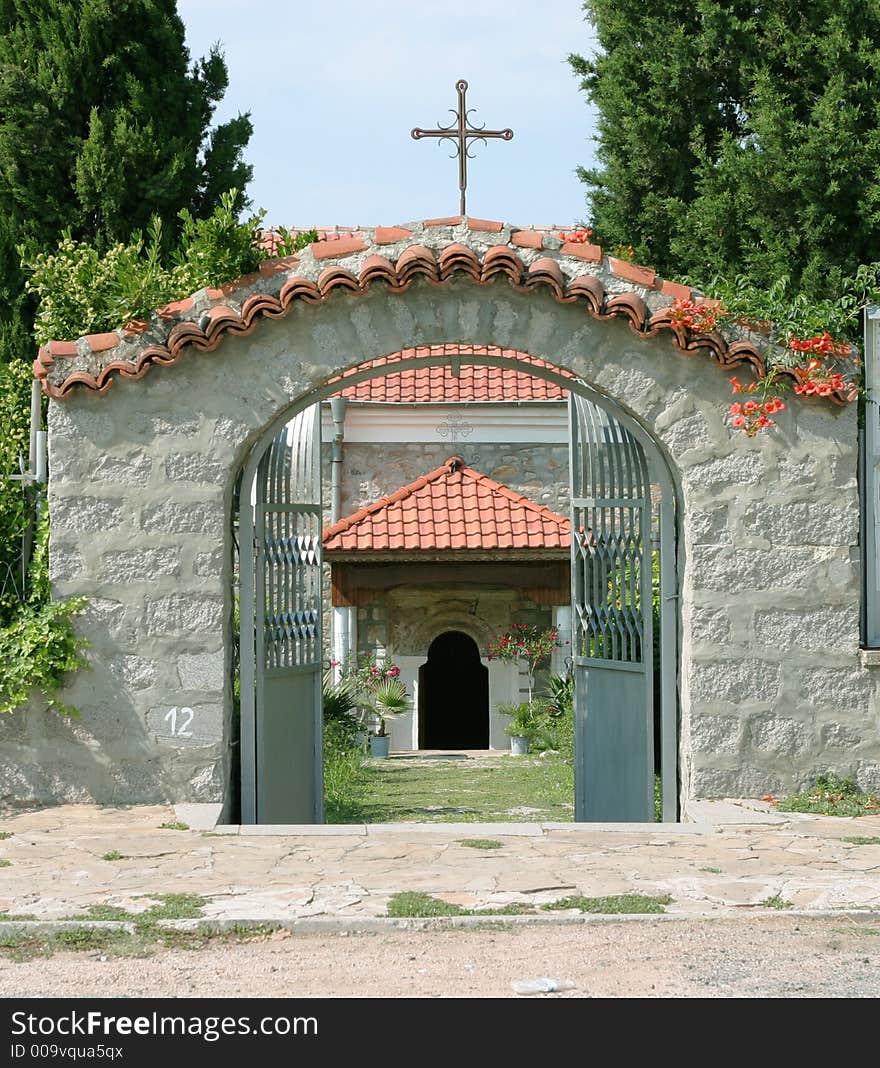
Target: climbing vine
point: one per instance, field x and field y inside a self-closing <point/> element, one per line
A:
<point x="39" y="646"/>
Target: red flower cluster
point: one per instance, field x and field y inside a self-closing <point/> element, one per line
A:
<point x="577" y="237"/>
<point x="753" y="416"/>
<point x="696" y="315"/>
<point x="523" y="642"/>
<point x="814" y="382"/>
<point x="822" y="344"/>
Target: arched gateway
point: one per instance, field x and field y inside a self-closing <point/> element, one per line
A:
<point x="759" y="602"/>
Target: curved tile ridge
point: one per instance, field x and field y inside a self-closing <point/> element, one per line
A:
<point x="345" y="263"/>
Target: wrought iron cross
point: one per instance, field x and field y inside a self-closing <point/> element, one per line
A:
<point x="461" y="133"/>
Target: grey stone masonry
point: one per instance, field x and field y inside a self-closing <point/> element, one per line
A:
<point x="771" y="687"/>
<point x="371" y="471"/>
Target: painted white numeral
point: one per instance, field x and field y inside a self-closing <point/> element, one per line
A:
<point x="180" y="730"/>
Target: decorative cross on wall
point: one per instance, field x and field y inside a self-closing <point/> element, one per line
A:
<point x="461" y="133"/>
<point x="454" y="427"/>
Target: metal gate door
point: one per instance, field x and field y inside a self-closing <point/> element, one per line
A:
<point x="284" y="782"/>
<point x="611" y="618"/>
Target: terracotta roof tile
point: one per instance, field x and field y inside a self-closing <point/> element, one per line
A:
<point x="440" y="385"/>
<point x="452" y="507"/>
<point x="570" y="273"/>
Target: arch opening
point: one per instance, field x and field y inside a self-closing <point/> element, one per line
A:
<point x="453" y="695"/>
<point x="662" y="730"/>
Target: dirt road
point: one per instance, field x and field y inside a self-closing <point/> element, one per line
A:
<point x="783" y="956"/>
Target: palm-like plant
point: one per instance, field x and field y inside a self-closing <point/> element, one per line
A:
<point x="388" y="698"/>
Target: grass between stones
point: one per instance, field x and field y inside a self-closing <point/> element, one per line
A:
<point x="480" y="843"/>
<point x="500" y="789"/>
<point x="4" y="835"/>
<point x="860" y="839"/>
<point x="173" y="825"/>
<point x="777" y="902"/>
<point x="142" y="942"/>
<point x="640" y="904"/>
<point x="832" y="796"/>
<point x="114" y="854"/>
<point x="169" y="907"/>
<point x="418" y="905"/>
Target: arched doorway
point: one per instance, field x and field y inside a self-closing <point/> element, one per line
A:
<point x="623" y="509"/>
<point x="453" y="695"/>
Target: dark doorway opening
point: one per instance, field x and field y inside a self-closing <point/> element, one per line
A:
<point x="453" y="695"/>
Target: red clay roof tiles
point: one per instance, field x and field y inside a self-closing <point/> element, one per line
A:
<point x="440" y="385"/>
<point x="452" y="507"/>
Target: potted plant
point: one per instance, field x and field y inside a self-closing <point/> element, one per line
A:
<point x="387" y="698"/>
<point x="521" y="726"/>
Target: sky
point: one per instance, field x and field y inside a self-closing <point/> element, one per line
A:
<point x="335" y="87"/>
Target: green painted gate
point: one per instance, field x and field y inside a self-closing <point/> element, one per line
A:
<point x="612" y="638"/>
<point x="281" y="593"/>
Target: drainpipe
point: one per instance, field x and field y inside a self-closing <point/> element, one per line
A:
<point x="338" y="406"/>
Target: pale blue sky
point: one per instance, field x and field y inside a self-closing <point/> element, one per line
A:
<point x="334" y="89"/>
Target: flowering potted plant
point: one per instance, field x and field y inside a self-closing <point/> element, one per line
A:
<point x="381" y="695"/>
<point x="522" y="642"/>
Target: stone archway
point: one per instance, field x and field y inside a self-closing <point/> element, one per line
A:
<point x="142" y="480"/>
<point x="453" y="695"/>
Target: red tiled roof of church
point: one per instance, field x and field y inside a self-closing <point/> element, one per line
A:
<point x="441" y="385"/>
<point x="452" y="507"/>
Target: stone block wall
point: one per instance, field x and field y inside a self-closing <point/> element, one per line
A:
<point x="371" y="471"/>
<point x="772" y="688"/>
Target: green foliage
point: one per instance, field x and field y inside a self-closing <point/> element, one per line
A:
<point x="83" y="289"/>
<point x="832" y="796"/>
<point x="480" y="843"/>
<point x="339" y="701"/>
<point x="344" y="780"/>
<point x="217" y="248"/>
<point x="114" y="854"/>
<point x="861" y="839"/>
<point x="38" y="645"/>
<point x="416" y="904"/>
<point x="617" y="903"/>
<point x="777" y="902"/>
<point x="737" y="138"/>
<point x="524" y="718"/>
<point x="494" y="789"/>
<point x="167" y="907"/>
<point x="173" y="825"/>
<point x="794" y="313"/>
<point x="16" y="502"/>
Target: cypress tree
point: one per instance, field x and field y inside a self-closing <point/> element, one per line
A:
<point x="738" y="137"/>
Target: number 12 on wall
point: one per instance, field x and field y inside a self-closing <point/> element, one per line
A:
<point x="180" y="726"/>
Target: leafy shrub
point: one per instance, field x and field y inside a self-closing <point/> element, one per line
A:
<point x="39" y="646"/>
<point x="83" y="289"/>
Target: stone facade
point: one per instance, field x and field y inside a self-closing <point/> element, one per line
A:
<point x="370" y="471"/>
<point x="772" y="689"/>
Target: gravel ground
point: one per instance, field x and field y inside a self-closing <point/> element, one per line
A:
<point x="783" y="956"/>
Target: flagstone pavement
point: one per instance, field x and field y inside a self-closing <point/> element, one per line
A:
<point x="733" y="857"/>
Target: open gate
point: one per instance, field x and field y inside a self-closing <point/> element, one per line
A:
<point x="612" y="570"/>
<point x="281" y="594"/>
<point x="622" y="557"/>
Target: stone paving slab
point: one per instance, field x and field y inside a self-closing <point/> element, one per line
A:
<point x="57" y="867"/>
